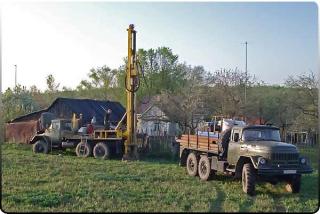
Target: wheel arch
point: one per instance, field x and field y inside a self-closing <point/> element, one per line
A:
<point x="184" y="152"/>
<point x="37" y="137"/>
<point x="241" y="161"/>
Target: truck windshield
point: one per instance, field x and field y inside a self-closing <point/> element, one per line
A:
<point x="67" y="126"/>
<point x="261" y="134"/>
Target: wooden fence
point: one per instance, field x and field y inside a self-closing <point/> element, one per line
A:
<point x="163" y="146"/>
<point x="302" y="138"/>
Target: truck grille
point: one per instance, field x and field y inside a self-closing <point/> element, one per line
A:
<point x="285" y="156"/>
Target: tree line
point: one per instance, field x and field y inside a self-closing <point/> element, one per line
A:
<point x="187" y="94"/>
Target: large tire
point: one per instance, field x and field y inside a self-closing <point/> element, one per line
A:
<point x="101" y="151"/>
<point x="248" y="179"/>
<point x="192" y="164"/>
<point x="83" y="149"/>
<point x="293" y="185"/>
<point x="204" y="168"/>
<point x="40" y="146"/>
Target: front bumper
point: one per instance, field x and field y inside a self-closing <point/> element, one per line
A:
<point x="302" y="169"/>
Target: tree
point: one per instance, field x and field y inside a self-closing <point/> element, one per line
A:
<point x="160" y="69"/>
<point x="52" y="86"/>
<point x="101" y="81"/>
<point x="227" y="91"/>
<point x="304" y="98"/>
<point x="187" y="105"/>
<point x="306" y="89"/>
<point x="270" y="104"/>
<point x="84" y="84"/>
<point x="17" y="102"/>
<point x="100" y="77"/>
<point x="34" y="90"/>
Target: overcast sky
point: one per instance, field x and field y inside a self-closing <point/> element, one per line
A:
<point x="67" y="39"/>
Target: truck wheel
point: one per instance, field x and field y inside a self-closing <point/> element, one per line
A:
<point x="248" y="179"/>
<point x="204" y="168"/>
<point x="40" y="147"/>
<point x="192" y="164"/>
<point x="101" y="151"/>
<point x="294" y="184"/>
<point x="83" y="150"/>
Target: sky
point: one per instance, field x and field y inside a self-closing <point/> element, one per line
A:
<point x="67" y="39"/>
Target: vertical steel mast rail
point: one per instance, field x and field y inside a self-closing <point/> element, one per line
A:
<point x="131" y="87"/>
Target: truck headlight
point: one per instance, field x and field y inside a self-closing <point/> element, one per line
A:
<point x="303" y="161"/>
<point x="262" y="161"/>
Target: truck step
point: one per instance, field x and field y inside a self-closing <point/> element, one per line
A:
<point x="230" y="169"/>
<point x="220" y="166"/>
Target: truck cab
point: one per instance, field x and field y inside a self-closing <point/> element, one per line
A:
<point x="53" y="136"/>
<point x="268" y="155"/>
<point x="58" y="129"/>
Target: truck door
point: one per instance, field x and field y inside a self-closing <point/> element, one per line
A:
<point x="234" y="147"/>
<point x="55" y="132"/>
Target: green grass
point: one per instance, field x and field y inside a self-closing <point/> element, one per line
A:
<point x="37" y="182"/>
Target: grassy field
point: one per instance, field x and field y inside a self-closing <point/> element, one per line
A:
<point x="67" y="183"/>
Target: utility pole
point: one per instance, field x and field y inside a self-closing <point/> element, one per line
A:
<point x="2" y="133"/>
<point x="245" y="84"/>
<point x="15" y="75"/>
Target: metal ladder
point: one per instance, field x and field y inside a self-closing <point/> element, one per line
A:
<point x="82" y="148"/>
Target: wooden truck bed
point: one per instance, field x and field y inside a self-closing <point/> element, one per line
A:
<point x="201" y="143"/>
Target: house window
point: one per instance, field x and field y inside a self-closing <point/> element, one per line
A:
<point x="156" y="127"/>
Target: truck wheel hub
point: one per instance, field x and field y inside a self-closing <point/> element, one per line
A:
<point x="203" y="168"/>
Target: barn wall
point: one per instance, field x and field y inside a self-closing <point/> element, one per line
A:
<point x="21" y="132"/>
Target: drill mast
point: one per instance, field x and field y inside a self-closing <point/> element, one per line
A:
<point x="131" y="83"/>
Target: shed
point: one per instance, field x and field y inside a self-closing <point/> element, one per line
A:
<point x="22" y="128"/>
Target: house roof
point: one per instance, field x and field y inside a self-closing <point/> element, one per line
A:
<point x="145" y="104"/>
<point x="88" y="108"/>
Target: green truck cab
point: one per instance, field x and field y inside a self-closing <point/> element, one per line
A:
<point x="58" y="135"/>
<point x="252" y="153"/>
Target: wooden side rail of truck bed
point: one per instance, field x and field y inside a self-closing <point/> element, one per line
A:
<point x="197" y="142"/>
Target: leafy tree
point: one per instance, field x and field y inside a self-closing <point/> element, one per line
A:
<point x="17" y="102"/>
<point x="101" y="80"/>
<point x="187" y="105"/>
<point x="52" y="86"/>
<point x="2" y="121"/>
<point x="270" y="104"/>
<point x="100" y="77"/>
<point x="306" y="89"/>
<point x="227" y="91"/>
<point x="161" y="70"/>
<point x="304" y="98"/>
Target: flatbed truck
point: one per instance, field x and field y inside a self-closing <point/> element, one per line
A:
<point x="253" y="152"/>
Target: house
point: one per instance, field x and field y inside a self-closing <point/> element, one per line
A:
<point x="153" y="121"/>
<point x="21" y="129"/>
